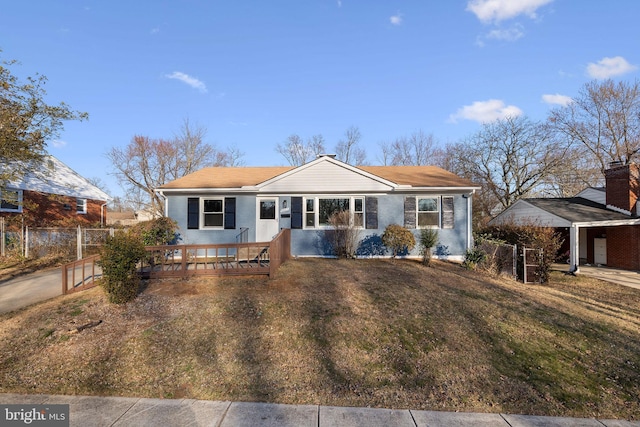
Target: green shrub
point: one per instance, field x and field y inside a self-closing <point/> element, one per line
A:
<point x="474" y="257"/>
<point x="119" y="257"/>
<point x="428" y="239"/>
<point x="398" y="239"/>
<point x="158" y="231"/>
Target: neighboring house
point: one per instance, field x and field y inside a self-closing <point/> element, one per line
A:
<point x="222" y="205"/>
<point x="55" y="195"/>
<point x="601" y="225"/>
<point x="122" y="218"/>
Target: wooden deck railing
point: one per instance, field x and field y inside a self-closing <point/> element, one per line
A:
<point x="217" y="259"/>
<point x="190" y="260"/>
<point x="80" y="275"/>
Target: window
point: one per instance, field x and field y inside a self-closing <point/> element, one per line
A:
<point x="327" y="207"/>
<point x="310" y="215"/>
<point x="318" y="211"/>
<point x="358" y="212"/>
<point x="213" y="213"/>
<point x="11" y="201"/>
<point x="81" y="206"/>
<point x="447" y="212"/>
<point x="268" y="209"/>
<point x="428" y="213"/>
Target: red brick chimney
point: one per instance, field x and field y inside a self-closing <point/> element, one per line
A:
<point x="623" y="187"/>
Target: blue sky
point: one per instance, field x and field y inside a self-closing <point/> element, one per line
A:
<point x="254" y="72"/>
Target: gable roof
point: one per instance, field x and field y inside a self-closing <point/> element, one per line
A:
<point x="55" y="177"/>
<point x="238" y="177"/>
<point x="562" y="212"/>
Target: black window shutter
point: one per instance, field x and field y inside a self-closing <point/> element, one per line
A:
<point x="193" y="213"/>
<point x="296" y="212"/>
<point x="371" y="212"/>
<point x="447" y="212"/>
<point x="410" y="212"/>
<point x="229" y="212"/>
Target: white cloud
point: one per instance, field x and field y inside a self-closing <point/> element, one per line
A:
<point x="509" y="35"/>
<point x="155" y="30"/>
<point x="609" y="67"/>
<point x="485" y="111"/>
<point x="557" y="99"/>
<point x="191" y="81"/>
<point x="339" y="3"/>
<point x="58" y="143"/>
<point x="396" y="19"/>
<point x="500" y="10"/>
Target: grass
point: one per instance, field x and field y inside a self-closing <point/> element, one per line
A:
<point x="348" y="333"/>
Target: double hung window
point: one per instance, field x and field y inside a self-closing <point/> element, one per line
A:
<point x="208" y="212"/>
<point x="11" y="200"/>
<point x="428" y="212"/>
<point x="213" y="213"/>
<point x="81" y="206"/>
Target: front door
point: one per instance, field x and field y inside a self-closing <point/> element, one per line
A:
<point x="267" y="224"/>
<point x="600" y="251"/>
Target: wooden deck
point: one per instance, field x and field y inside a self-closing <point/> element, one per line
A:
<point x="217" y="259"/>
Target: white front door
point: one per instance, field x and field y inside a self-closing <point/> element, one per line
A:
<point x="267" y="224"/>
<point x="600" y="251"/>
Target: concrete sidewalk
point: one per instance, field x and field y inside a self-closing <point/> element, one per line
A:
<point x="89" y="411"/>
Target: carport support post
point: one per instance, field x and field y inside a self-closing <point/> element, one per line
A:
<point x="574" y="248"/>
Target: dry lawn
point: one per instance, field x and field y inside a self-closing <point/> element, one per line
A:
<point x="349" y="333"/>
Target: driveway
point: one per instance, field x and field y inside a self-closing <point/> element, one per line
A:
<point x="614" y="275"/>
<point x="21" y="291"/>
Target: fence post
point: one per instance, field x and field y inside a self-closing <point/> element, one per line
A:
<point x="79" y="243"/>
<point x="515" y="261"/>
<point x="2" y="235"/>
<point x="26" y="241"/>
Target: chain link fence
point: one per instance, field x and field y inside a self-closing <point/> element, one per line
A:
<point x="500" y="258"/>
<point x="39" y="242"/>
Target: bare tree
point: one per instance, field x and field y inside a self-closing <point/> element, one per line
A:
<point x="510" y="158"/>
<point x="417" y="149"/>
<point x="604" y="120"/>
<point x="574" y="172"/>
<point x="347" y="149"/>
<point x="146" y="164"/>
<point x="298" y="152"/>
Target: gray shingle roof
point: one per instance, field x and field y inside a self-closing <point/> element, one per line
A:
<point x="577" y="209"/>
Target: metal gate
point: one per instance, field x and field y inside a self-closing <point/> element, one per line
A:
<point x="531" y="265"/>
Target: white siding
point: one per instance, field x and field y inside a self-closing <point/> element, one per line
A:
<point x="525" y="213"/>
<point x="324" y="177"/>
<point x="594" y="194"/>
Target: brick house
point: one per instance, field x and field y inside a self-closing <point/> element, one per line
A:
<point x="54" y="196"/>
<point x="601" y="226"/>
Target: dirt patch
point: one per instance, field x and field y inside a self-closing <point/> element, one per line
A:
<point x="348" y="333"/>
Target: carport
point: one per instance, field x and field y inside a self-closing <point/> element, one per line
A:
<point x="595" y="232"/>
